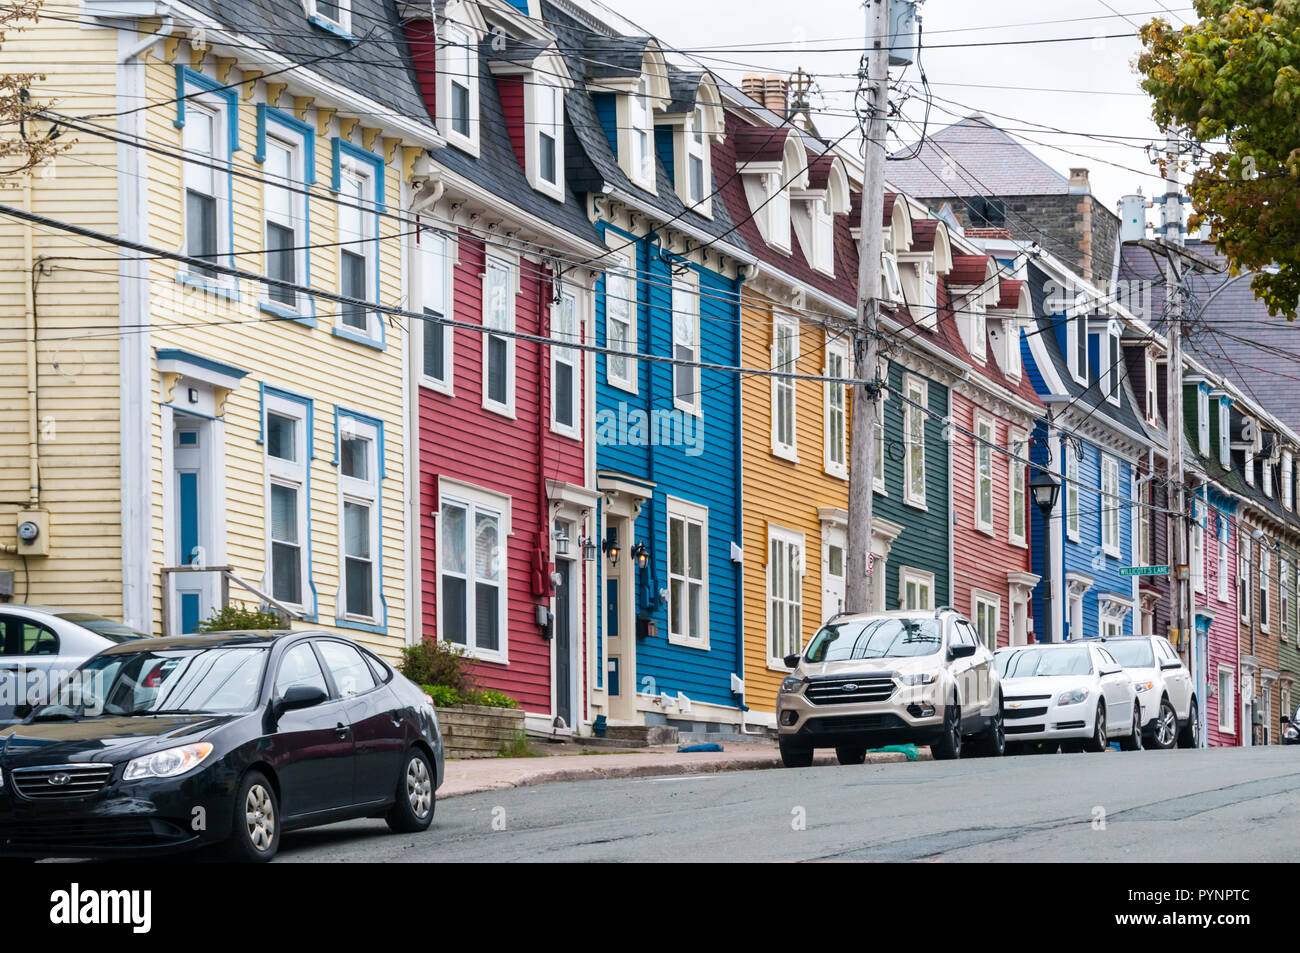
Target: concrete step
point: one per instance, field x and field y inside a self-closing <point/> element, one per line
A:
<point x="647" y="734"/>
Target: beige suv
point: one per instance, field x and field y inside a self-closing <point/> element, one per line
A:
<point x="879" y="678"/>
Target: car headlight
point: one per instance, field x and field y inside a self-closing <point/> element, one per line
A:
<point x="790" y="684"/>
<point x="167" y="764"/>
<point x="1291" y="733"/>
<point x="1144" y="686"/>
<point x="1072" y="698"/>
<point x="919" y="678"/>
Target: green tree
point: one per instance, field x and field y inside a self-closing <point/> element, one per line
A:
<point x="1232" y="80"/>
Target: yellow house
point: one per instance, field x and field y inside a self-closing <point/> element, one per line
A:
<point x="178" y="432"/>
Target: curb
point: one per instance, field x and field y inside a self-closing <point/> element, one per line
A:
<point x="672" y="768"/>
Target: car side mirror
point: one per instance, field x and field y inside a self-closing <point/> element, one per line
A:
<point x="300" y="696"/>
<point x="963" y="650"/>
<point x="1167" y="666"/>
<point x="792" y="661"/>
<point x="1286" y="720"/>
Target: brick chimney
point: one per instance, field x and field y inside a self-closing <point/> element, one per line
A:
<point x="1079" y="184"/>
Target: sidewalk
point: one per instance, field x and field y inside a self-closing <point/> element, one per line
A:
<point x="472" y="776"/>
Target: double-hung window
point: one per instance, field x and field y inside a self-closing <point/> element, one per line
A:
<point x="698" y="186"/>
<point x="1222" y="563"/>
<point x="286" y="443"/>
<point x="823" y="228"/>
<point x="1264" y="585"/>
<point x="437" y="358"/>
<point x="1225" y="435"/>
<point x="1288" y="480"/>
<point x="835" y="411"/>
<point x="1114" y="365"/>
<point x="916" y="589"/>
<point x="641" y="135"/>
<point x="1152" y="388"/>
<point x="473" y="527"/>
<point x="785" y="357"/>
<point x="1079" y="365"/>
<point x="284" y="203"/>
<point x="1144" y="524"/>
<point x="1243" y="574"/>
<point x="1110" y="506"/>
<point x="686" y="345"/>
<point x="784" y="593"/>
<point x="566" y="374"/>
<point x="688" y="574"/>
<point x="977" y="321"/>
<point x="1227" y="699"/>
<point x="205" y="139"/>
<point x="1198" y="544"/>
<point x="620" y="327"/>
<point x="459" y="87"/>
<point x="1202" y="421"/>
<point x="359" y="188"/>
<point x="1071" y="491"/>
<point x="499" y="349"/>
<point x="332" y="15"/>
<point x="986" y="437"/>
<point x="1284" y="597"/>
<point x="986" y="609"/>
<point x="360" y="470"/>
<point x="1016" y="478"/>
<point x="915" y="390"/>
<point x="547" y="164"/>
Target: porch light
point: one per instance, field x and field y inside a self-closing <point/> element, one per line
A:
<point x="561" y="542"/>
<point x="610" y="546"/>
<point x="641" y="554"/>
<point x="589" y="549"/>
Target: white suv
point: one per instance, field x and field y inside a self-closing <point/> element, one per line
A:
<point x="1164" y="686"/>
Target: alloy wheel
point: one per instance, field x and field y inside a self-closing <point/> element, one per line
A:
<point x="1167" y="726"/>
<point x="1101" y="740"/>
<point x="259" y="813"/>
<point x="954" y="729"/>
<point x="419" y="788"/>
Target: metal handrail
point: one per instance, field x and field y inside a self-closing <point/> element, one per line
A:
<point x="227" y="577"/>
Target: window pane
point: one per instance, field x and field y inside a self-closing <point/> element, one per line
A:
<point x="546" y="157"/>
<point x="286" y="573"/>
<point x="695" y="551"/>
<point x="460" y="109"/>
<point x="359" y="592"/>
<point x="453" y="538"/>
<point x="282" y="437"/>
<point x="697" y="611"/>
<point x="281" y="259"/>
<point x="353" y="285"/>
<point x="498" y="370"/>
<point x="284" y="513"/>
<point x="434" y="345"/>
<point x="487" y="541"/>
<point x="487" y="616"/>
<point x="201" y="227"/>
<point x="356" y="530"/>
<point x="354" y="457"/>
<point x="299" y="667"/>
<point x="564" y="395"/>
<point x="676" y="546"/>
<point x="347" y="667"/>
<point x="453" y="609"/>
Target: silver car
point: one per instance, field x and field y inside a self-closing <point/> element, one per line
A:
<point x="40" y="645"/>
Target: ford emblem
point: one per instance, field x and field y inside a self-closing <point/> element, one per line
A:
<point x="850" y="687"/>
<point x="60" y="778"/>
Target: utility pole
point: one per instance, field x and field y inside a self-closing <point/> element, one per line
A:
<point x="866" y="393"/>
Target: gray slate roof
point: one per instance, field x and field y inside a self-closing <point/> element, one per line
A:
<point x="377" y="65"/>
<point x="1235" y="338"/>
<point x="983" y="160"/>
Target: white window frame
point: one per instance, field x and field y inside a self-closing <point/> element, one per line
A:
<point x="1152" y="388"/>
<point x="1265" y="586"/>
<point x="976" y="324"/>
<point x="1221" y="538"/>
<point x="1012" y="366"/>
<point x="697" y="145"/>
<point x="476" y="501"/>
<point x="1071" y="492"/>
<point x="1266" y="476"/>
<point x="1250" y="466"/>
<point x="295" y="475"/>
<point x="625" y="311"/>
<point x="822" y="220"/>
<point x="1202" y="421"/>
<point x="544" y="117"/>
<point x="296" y="217"/>
<point x="835" y="407"/>
<point x="434" y="254"/>
<point x="777" y="197"/>
<point x="923" y="581"/>
<point x="1283" y="597"/>
<point x="219" y="112"/>
<point x="1199" y="515"/>
<point x="991" y="604"/>
<point x="1225" y="435"/>
<point x="686" y="342"/>
<point x="357" y="188"/>
<point x="785" y="397"/>
<point x="985" y="430"/>
<point x="1245" y="591"/>
<point x="1111" y="628"/>
<point x="364" y="492"/>
<point x="507" y="272"/>
<point x="787" y="545"/>
<point x="688" y="513"/>
<point x="928" y="282"/>
<point x="1077" y="326"/>
<point x="458" y="47"/>
<point x="640" y="164"/>
<point x="1288" y="480"/>
<point x="1230" y="707"/>
<point x="1114" y="364"/>
<point x="568" y="357"/>
<point x="341" y="24"/>
<point x="917" y="392"/>
<point x="1111" y="533"/>
<point x="1017" y="489"/>
<point x="1144" y="523"/>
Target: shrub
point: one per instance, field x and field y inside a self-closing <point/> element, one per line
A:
<point x="235" y="617"/>
<point x="516" y="747"/>
<point x="436" y="663"/>
<point x="490" y="698"/>
<point x="443" y="697"/>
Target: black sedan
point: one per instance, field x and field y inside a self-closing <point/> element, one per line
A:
<point x="225" y="739"/>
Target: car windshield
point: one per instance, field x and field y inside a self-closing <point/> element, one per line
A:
<point x="1025" y="663"/>
<point x="876" y="638"/>
<point x="220" y="680"/>
<point x="113" y="631"/>
<point x="1135" y="654"/>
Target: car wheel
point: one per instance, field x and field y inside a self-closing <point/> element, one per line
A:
<point x="1098" y="741"/>
<point x="1166" y="730"/>
<point x="794" y="754"/>
<point x="992" y="741"/>
<point x="851" y="754"/>
<point x="255" y="836"/>
<point x="1190" y="736"/>
<point x="412" y="810"/>
<point x="948" y="747"/>
<point x="1134" y="741"/>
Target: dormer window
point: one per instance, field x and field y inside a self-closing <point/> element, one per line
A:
<point x="1153" y="396"/>
<point x="974" y="287"/>
<point x="772" y="164"/>
<point x="694" y="119"/>
<point x="929" y="282"/>
<point x="1014" y="307"/>
<point x="1114" y="360"/>
<point x="532" y="84"/>
<point x="825" y="195"/>
<point x="458" y="86"/>
<point x="334" y="16"/>
<point x="1202" y="420"/>
<point x="1079" y="348"/>
<point x="891" y="285"/>
<point x="641" y="123"/>
<point x="978" y="319"/>
<point x="549" y="127"/>
<point x="697" y="159"/>
<point x="1225" y="437"/>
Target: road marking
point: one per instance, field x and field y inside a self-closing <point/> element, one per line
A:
<point x="677" y="777"/>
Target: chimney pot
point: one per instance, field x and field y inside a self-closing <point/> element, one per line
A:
<point x="1079" y="184"/>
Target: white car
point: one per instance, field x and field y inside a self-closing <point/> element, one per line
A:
<point x="1164" y="687"/>
<point x="39" y="646"/>
<point x="1070" y="694"/>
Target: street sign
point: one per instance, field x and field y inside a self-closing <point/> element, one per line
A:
<point x="1144" y="571"/>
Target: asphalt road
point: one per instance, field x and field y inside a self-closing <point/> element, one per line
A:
<point x="1223" y="804"/>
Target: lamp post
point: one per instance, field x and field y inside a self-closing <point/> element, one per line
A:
<point x="1046" y="489"/>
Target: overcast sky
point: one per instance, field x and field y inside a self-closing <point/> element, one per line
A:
<point x="1087" y="86"/>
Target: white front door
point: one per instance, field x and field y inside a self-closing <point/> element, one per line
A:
<point x="1247" y="710"/>
<point x="620" y="622"/>
<point x="192" y="524"/>
<point x="833" y="555"/>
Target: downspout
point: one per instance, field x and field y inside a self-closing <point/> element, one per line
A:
<point x="649" y="588"/>
<point x="740" y="509"/>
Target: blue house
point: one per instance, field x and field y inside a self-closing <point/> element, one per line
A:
<point x="1096" y="440"/>
<point x="667" y="435"/>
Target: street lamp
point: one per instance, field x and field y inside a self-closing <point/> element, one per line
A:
<point x="1046" y="489"/>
